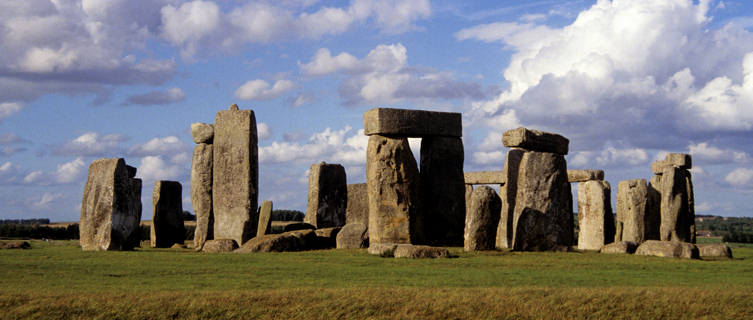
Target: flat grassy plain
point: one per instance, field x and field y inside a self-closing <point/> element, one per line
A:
<point x="58" y="280"/>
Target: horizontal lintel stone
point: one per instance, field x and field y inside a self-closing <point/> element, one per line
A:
<point x="535" y="140"/>
<point x="584" y="175"/>
<point x="412" y="123"/>
<point x="485" y="177"/>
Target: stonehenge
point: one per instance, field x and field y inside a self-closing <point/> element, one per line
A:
<point x="167" y="215"/>
<point x="481" y="219"/>
<point x="265" y="218"/>
<point x="671" y="199"/>
<point x="201" y="183"/>
<point x="327" y="196"/>
<point x="595" y="217"/>
<point x="633" y="216"/>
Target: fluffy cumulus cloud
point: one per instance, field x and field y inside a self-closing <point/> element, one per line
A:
<point x="152" y="168"/>
<point x="9" y="108"/>
<point x="171" y="95"/>
<point x="44" y="202"/>
<point x="706" y="153"/>
<point x="170" y="145"/>
<point x="92" y="144"/>
<point x="70" y="171"/>
<point x="740" y="177"/>
<point x="261" y="90"/>
<point x="333" y="146"/>
<point x="263" y="131"/>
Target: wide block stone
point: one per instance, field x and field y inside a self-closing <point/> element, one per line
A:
<point x="677" y="206"/>
<point x="535" y="140"/>
<point x="357" y="210"/>
<point x="392" y="177"/>
<point x="584" y="175"/>
<point x="420" y="251"/>
<point x="507" y="193"/>
<point x="327" y="197"/>
<point x="595" y="216"/>
<point x="235" y="186"/>
<point x="202" y="132"/>
<point x="201" y="194"/>
<point x="482" y="219"/>
<point x="353" y="236"/>
<point x="681" y="160"/>
<point x="219" y="246"/>
<point x="412" y="123"/>
<point x="110" y="208"/>
<point x="632" y="198"/>
<point x="167" y="209"/>
<point x="443" y="190"/>
<point x="485" y="177"/>
<point x="627" y="247"/>
<point x="670" y="249"/>
<point x="714" y="250"/>
<point x="298" y="240"/>
<point x="265" y="219"/>
<point x="382" y="249"/>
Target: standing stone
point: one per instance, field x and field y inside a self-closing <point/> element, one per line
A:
<point x="201" y="194"/>
<point x="353" y="235"/>
<point x="235" y="175"/>
<point x="595" y="216"/>
<point x="507" y="194"/>
<point x="631" y="210"/>
<point x="328" y="196"/>
<point x="265" y="219"/>
<point x="110" y="208"/>
<point x="393" y="182"/>
<point x="167" y="209"/>
<point x="443" y="189"/>
<point x="677" y="206"/>
<point x="357" y="210"/>
<point x="653" y="208"/>
<point x="482" y="219"/>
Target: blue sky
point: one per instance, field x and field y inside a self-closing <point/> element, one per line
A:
<point x="626" y="81"/>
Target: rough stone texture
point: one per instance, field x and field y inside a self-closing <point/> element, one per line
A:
<point x="627" y="247"/>
<point x="595" y="216"/>
<point x="507" y="194"/>
<point x="411" y="123"/>
<point x="358" y="204"/>
<point x="672" y="249"/>
<point x="298" y="240"/>
<point x="219" y="246"/>
<point x="535" y="140"/>
<point x="653" y="209"/>
<point x="420" y="251"/>
<point x="468" y="192"/>
<point x="485" y="177"/>
<point x="382" y="249"/>
<point x="584" y="175"/>
<point x="443" y="190"/>
<point x="714" y="250"/>
<point x="657" y="167"/>
<point x="265" y="219"/>
<point x="327" y="197"/>
<point x="15" y="244"/>
<point x="202" y="132"/>
<point x="167" y="209"/>
<point x="542" y="217"/>
<point x="178" y="246"/>
<point x="631" y="210"/>
<point x="111" y="207"/>
<point x="482" y="219"/>
<point x="235" y="186"/>
<point x="297" y="226"/>
<point x="327" y="237"/>
<point x="681" y="160"/>
<point x="353" y="236"/>
<point x="677" y="206"/>
<point x="201" y="194"/>
<point x="393" y="182"/>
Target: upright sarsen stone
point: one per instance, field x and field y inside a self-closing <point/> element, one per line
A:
<point x="327" y="196"/>
<point x="201" y="194"/>
<point x="677" y="206"/>
<point x="653" y="208"/>
<point x="111" y="207"/>
<point x="595" y="216"/>
<point x="443" y="190"/>
<point x="235" y="175"/>
<point x="632" y="206"/>
<point x="357" y="210"/>
<point x="482" y="219"/>
<point x="265" y="219"/>
<point x="508" y="193"/>
<point x="167" y="209"/>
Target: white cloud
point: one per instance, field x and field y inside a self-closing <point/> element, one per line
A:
<point x="187" y="24"/>
<point x="45" y="202"/>
<point x="324" y="63"/>
<point x="70" y="171"/>
<point x="153" y="168"/>
<point x="92" y="144"/>
<point x="263" y="131"/>
<point x="33" y="177"/>
<point x="5" y="167"/>
<point x="704" y="153"/>
<point x="260" y="90"/>
<point x="328" y="145"/>
<point x="489" y="158"/>
<point x="170" y="95"/>
<point x="9" y="108"/>
<point x="158" y="146"/>
<point x="740" y="177"/>
<point x="631" y="156"/>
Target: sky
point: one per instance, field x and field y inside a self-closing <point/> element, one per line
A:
<point x="625" y="81"/>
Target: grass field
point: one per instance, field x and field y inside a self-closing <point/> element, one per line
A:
<point x="57" y="280"/>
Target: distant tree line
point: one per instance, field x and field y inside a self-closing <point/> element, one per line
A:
<point x="25" y="221"/>
<point x="287" y="215"/>
<point x="37" y="231"/>
<point x="730" y="229"/>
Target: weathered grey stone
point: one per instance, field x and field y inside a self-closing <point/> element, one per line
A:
<point x="327" y="197"/>
<point x="111" y="207"/>
<point x="482" y="219"/>
<point x="298" y="240"/>
<point x="235" y="175"/>
<point x="443" y="190"/>
<point x="485" y="177"/>
<point x="393" y="181"/>
<point x="584" y="175"/>
<point x="327" y="237"/>
<point x="298" y="226"/>
<point x="595" y="216"/>
<point x="714" y="250"/>
<point x="631" y="209"/>
<point x="219" y="246"/>
<point x="677" y="206"/>
<point x="202" y="132"/>
<point x="420" y="251"/>
<point x="653" y="209"/>
<point x="178" y="246"/>
<point x="353" y="236"/>
<point x="670" y="249"/>
<point x="657" y="167"/>
<point x="681" y="160"/>
<point x="358" y="204"/>
<point x="167" y="214"/>
<point x="265" y="219"/>
<point x="543" y="217"/>
<point x="535" y="140"/>
<point x="382" y="249"/>
<point x="507" y="194"/>
<point x="411" y="123"/>
<point x="201" y="194"/>
<point x="627" y="247"/>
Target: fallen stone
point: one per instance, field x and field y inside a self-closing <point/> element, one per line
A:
<point x="631" y="209"/>
<point x="167" y="209"/>
<point x="670" y="249"/>
<point x="353" y="236"/>
<point x="442" y="190"/>
<point x="297" y="226"/>
<point x="202" y="132"/>
<point x="298" y="240"/>
<point x="507" y="194"/>
<point x="358" y="204"/>
<point x="382" y="249"/>
<point x="327" y="196"/>
<point x="482" y="219"/>
<point x="485" y="177"/>
<point x="219" y="246"/>
<point x="201" y="194"/>
<point x="677" y="206"/>
<point x="265" y="219"/>
<point x="681" y="160"/>
<point x="412" y="123"/>
<point x="420" y="251"/>
<point x="595" y="216"/>
<point x="627" y="247"/>
<point x="535" y="140"/>
<point x="714" y="250"/>
<point x="584" y="175"/>
<point x="15" y="244"/>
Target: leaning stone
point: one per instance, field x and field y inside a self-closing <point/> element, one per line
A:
<point x="111" y="207"/>
<point x="507" y="194"/>
<point x="535" y="140"/>
<point x="265" y="219"/>
<point x="714" y="250"/>
<point x="297" y="226"/>
<point x="235" y="185"/>
<point x="443" y="190"/>
<point x="485" y="177"/>
<point x="201" y="194"/>
<point x="167" y="220"/>
<point x="631" y="209"/>
<point x="220" y="246"/>
<point x="677" y="207"/>
<point x="298" y="240"/>
<point x="393" y="181"/>
<point x="412" y="123"/>
<point x="627" y="247"/>
<point x="420" y="251"/>
<point x="327" y="196"/>
<point x="357" y="210"/>
<point x="353" y="236"/>
<point x="382" y="249"/>
<point x="584" y="175"/>
<point x="681" y="160"/>
<point x="482" y="219"/>
<point x="595" y="216"/>
<point x="327" y="237"/>
<point x="670" y="249"/>
<point x="202" y="132"/>
<point x="17" y="244"/>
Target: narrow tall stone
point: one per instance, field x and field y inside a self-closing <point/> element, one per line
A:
<point x="507" y="193"/>
<point x="595" y="216"/>
<point x="327" y="196"/>
<point x="167" y="209"/>
<point x="482" y="219"/>
<point x="443" y="190"/>
<point x="677" y="206"/>
<point x="235" y="175"/>
<point x="358" y="204"/>
<point x="632" y="205"/>
<point x="393" y="181"/>
<point x="653" y="208"/>
<point x="201" y="194"/>
<point x="265" y="219"/>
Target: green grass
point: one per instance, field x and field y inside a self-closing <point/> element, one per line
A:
<point x="57" y="280"/>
